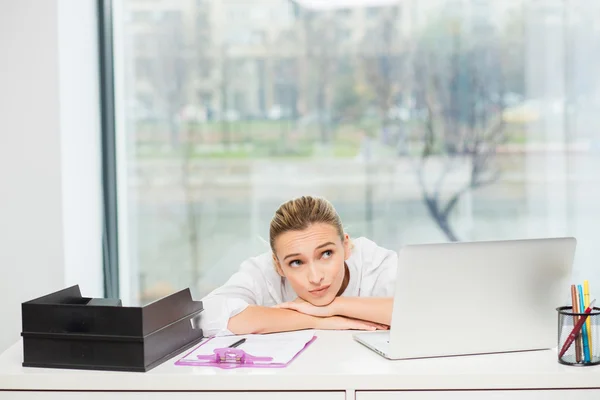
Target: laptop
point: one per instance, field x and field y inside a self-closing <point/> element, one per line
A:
<point x="467" y="298"/>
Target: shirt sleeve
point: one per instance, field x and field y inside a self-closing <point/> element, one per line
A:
<point x="247" y="286"/>
<point x="380" y="267"/>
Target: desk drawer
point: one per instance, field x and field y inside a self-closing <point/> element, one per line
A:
<point x="172" y="395"/>
<point x="483" y="395"/>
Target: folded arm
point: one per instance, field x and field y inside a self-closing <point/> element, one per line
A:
<point x="258" y="319"/>
<point x="374" y="309"/>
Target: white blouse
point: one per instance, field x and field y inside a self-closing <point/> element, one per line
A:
<point x="372" y="274"/>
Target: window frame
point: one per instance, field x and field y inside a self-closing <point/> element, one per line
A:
<point x="110" y="234"/>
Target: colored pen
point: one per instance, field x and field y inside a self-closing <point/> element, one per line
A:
<point x="588" y="323"/>
<point x="236" y="344"/>
<point x="579" y="338"/>
<point x="584" y="336"/>
<point x="575" y="309"/>
<point x="575" y="332"/>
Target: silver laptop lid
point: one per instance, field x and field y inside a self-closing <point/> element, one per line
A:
<point x="479" y="297"/>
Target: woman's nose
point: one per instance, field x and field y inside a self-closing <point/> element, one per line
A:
<point x="315" y="276"/>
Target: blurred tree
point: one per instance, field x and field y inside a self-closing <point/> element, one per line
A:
<point x="167" y="75"/>
<point x="322" y="38"/>
<point x="512" y="55"/>
<point x="384" y="64"/>
<point x="168" y="70"/>
<point x="462" y="91"/>
<point x="349" y="103"/>
<point x="225" y="77"/>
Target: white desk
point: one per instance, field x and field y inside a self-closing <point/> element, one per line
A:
<point x="333" y="367"/>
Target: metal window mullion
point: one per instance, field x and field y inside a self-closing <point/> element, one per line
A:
<point x="109" y="162"/>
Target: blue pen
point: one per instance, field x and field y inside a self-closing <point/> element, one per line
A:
<point x="586" y="349"/>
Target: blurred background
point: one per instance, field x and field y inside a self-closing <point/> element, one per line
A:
<point x="421" y="121"/>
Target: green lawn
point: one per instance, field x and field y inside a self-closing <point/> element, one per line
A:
<point x="268" y="139"/>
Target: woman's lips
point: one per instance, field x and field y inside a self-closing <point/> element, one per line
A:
<point x="319" y="292"/>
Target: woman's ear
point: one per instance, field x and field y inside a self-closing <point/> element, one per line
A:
<point x="347" y="246"/>
<point x="277" y="265"/>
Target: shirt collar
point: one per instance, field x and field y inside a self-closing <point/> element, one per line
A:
<point x="352" y="288"/>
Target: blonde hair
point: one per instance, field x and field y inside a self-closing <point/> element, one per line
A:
<point x="300" y="213"/>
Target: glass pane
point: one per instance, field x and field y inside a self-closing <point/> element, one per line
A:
<point x="421" y="120"/>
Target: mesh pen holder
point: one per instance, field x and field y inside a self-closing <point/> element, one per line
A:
<point x="575" y="354"/>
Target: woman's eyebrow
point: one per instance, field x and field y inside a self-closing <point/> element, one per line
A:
<point x="324" y="245"/>
<point x="317" y="248"/>
<point x="291" y="255"/>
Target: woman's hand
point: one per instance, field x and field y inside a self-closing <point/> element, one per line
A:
<point x="305" y="307"/>
<point x="345" y="323"/>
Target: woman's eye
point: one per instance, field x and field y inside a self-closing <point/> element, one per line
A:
<point x="327" y="254"/>
<point x="295" y="263"/>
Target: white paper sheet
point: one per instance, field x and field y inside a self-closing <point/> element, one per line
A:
<point x="282" y="347"/>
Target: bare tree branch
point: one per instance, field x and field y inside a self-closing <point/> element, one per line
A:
<point x="464" y="125"/>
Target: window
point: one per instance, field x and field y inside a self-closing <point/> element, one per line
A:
<point x="470" y="120"/>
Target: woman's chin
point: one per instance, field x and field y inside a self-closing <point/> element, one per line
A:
<point x="321" y="301"/>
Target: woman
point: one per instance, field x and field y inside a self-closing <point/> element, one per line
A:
<point x="313" y="278"/>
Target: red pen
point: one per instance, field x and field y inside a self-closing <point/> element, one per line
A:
<point x="575" y="332"/>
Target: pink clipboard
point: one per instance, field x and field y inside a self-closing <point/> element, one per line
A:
<point x="235" y="358"/>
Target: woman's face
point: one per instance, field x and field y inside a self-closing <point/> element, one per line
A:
<point x="313" y="261"/>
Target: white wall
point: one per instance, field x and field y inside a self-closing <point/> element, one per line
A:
<point x="50" y="234"/>
<point x="80" y="144"/>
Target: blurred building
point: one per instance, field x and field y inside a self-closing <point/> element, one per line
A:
<point x="219" y="57"/>
<point x="231" y="59"/>
<point x="273" y="59"/>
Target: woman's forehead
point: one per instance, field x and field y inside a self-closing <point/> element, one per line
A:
<point x="309" y="238"/>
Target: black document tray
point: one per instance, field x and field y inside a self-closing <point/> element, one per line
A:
<point x="66" y="330"/>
